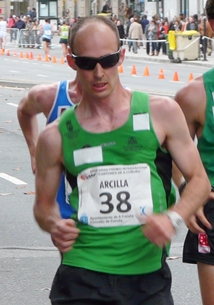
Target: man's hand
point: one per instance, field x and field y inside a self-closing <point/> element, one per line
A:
<point x="64" y="234"/>
<point x="158" y="229"/>
<point x="193" y="225"/>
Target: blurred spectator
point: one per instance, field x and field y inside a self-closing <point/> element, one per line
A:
<point x="128" y="24"/>
<point x="10" y="25"/>
<point x="192" y="24"/>
<point x="175" y="25"/>
<point x="29" y="34"/>
<point x="135" y="33"/>
<point x="121" y="31"/>
<point x="33" y="14"/>
<point x="37" y="30"/>
<point x="182" y="22"/>
<point x="151" y="35"/>
<point x="166" y="27"/>
<point x="161" y="36"/>
<point x="144" y="21"/>
<point x="72" y="21"/>
<point x="207" y="32"/>
<point x="129" y="12"/>
<point x="114" y="18"/>
<point x="29" y="12"/>
<point x="122" y="13"/>
<point x="107" y="8"/>
<point x="20" y="25"/>
<point x="67" y="16"/>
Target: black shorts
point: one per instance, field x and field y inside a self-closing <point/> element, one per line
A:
<point x="46" y="39"/>
<point x="78" y="286"/>
<point x="200" y="248"/>
<point x="63" y="40"/>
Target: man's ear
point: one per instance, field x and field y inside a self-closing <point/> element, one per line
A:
<point x="71" y="62"/>
<point x="122" y="56"/>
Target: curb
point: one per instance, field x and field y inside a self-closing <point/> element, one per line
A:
<point x="17" y="84"/>
<point x="167" y="60"/>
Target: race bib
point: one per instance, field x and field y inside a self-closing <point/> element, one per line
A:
<point x="117" y="195"/>
<point x="65" y="33"/>
<point x="47" y="32"/>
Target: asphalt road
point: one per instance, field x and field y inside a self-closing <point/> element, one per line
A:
<point x="28" y="259"/>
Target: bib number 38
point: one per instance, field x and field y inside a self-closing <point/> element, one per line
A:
<point x="114" y="195"/>
<point x="122" y="206"/>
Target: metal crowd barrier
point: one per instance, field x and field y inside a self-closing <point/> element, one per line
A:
<point x="12" y="36"/>
<point x="29" y="39"/>
<point x="25" y="38"/>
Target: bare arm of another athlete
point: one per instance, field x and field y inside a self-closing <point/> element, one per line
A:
<point x="48" y="175"/>
<point x="192" y="100"/>
<point x="172" y="132"/>
<point x="39" y="99"/>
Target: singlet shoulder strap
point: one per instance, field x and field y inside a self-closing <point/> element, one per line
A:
<point x="140" y="102"/>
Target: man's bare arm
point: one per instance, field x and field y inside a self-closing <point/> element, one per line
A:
<point x="48" y="175"/>
<point x="172" y="131"/>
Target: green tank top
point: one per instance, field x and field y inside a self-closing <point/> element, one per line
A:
<point x="64" y="32"/>
<point x="116" y="178"/>
<point x="206" y="141"/>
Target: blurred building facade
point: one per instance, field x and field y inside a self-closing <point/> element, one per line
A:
<point x="81" y="8"/>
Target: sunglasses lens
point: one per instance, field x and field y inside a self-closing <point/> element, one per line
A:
<point x="85" y="63"/>
<point x="109" y="61"/>
<point x="89" y="63"/>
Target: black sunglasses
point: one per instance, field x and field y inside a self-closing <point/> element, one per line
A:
<point x="89" y="63"/>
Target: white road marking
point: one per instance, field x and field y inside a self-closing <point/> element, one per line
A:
<point x="41" y="75"/>
<point x="14" y="71"/>
<point x="12" y="179"/>
<point x="11" y="104"/>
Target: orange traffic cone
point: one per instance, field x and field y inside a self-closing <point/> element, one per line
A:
<point x="39" y="57"/>
<point x="175" y="77"/>
<point x="62" y="61"/>
<point x="54" y="59"/>
<point x="120" y="69"/>
<point x="134" y="71"/>
<point x="14" y="54"/>
<point x="31" y="55"/>
<point x="21" y="55"/>
<point x="146" y="72"/>
<point x="46" y="58"/>
<point x="190" y="77"/>
<point x="8" y="52"/>
<point x="26" y="55"/>
<point x="161" y="74"/>
<point x="1" y="51"/>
